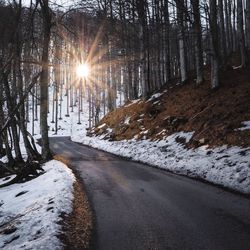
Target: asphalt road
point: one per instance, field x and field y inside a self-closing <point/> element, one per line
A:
<point x="139" y="207"/>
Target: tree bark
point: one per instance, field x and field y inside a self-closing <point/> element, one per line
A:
<point x="181" y="39"/>
<point x="240" y="33"/>
<point x="46" y="154"/>
<point x="222" y="34"/>
<point x="248" y="24"/>
<point x="198" y="41"/>
<point x="167" y="43"/>
<point x="214" y="45"/>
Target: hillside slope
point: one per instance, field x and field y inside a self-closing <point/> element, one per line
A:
<point x="214" y="116"/>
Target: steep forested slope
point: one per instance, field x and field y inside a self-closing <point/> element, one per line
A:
<point x="214" y="115"/>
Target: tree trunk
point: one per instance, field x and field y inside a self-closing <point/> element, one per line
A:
<point x="214" y="45"/>
<point x="228" y="26"/>
<point x="198" y="41"/>
<point x="32" y="153"/>
<point x="222" y="34"/>
<point x="248" y="24"/>
<point x="12" y="123"/>
<point x="46" y="154"/>
<point x="142" y="15"/>
<point x="181" y="39"/>
<point x="167" y="42"/>
<point x="240" y="33"/>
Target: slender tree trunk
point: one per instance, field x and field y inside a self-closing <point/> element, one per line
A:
<point x="227" y="32"/>
<point x="214" y="45"/>
<point x="240" y="33"/>
<point x="2" y="139"/>
<point x="144" y="77"/>
<point x="222" y="34"/>
<point x="32" y="153"/>
<point x="248" y="24"/>
<point x="198" y="41"/>
<point x="167" y="42"/>
<point x="13" y="123"/>
<point x="234" y="26"/>
<point x="44" y="79"/>
<point x="181" y="38"/>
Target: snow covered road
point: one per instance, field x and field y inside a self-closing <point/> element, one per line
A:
<point x="138" y="207"/>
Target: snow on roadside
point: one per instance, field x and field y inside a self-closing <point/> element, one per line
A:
<point x="30" y="211"/>
<point x="229" y="167"/>
<point x="245" y="124"/>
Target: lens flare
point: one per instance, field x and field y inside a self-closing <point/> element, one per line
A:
<point x="82" y="70"/>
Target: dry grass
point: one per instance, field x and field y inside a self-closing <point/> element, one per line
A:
<point x="77" y="227"/>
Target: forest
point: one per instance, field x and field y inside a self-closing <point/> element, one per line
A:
<point x="134" y="47"/>
<point x="62" y="61"/>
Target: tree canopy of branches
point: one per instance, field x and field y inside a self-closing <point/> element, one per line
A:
<point x="133" y="48"/>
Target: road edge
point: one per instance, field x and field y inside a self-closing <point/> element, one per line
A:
<point x="78" y="226"/>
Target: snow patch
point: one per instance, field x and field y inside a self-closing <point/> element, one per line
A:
<point x="154" y="96"/>
<point x="30" y="211"/>
<point x="229" y="167"/>
<point x="102" y="126"/>
<point x="246" y="125"/>
<point x="133" y="102"/>
<point x="127" y="120"/>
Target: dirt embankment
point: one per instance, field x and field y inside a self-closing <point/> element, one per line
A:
<point x="214" y="115"/>
<point x="78" y="226"/>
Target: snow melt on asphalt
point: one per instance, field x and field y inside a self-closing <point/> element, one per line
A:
<point x="229" y="167"/>
<point x="30" y="211"/>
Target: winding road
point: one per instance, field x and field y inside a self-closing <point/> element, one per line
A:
<point x="140" y="207"/>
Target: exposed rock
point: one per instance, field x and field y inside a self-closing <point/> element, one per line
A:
<point x="174" y="121"/>
<point x="153" y="110"/>
<point x="200" y="142"/>
<point x="180" y="140"/>
<point x="203" y="141"/>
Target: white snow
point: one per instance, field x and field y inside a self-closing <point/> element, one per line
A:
<point x="154" y="96"/>
<point x="127" y="120"/>
<point x="102" y="125"/>
<point x="245" y="124"/>
<point x="157" y="102"/>
<point x="34" y="215"/>
<point x="237" y="67"/>
<point x="161" y="132"/>
<point x="66" y="124"/>
<point x="229" y="167"/>
<point x="133" y="102"/>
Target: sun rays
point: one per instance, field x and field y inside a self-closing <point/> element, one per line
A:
<point x="83" y="70"/>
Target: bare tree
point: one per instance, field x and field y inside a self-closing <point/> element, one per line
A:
<point x="47" y="16"/>
<point x="248" y="24"/>
<point x="198" y="41"/>
<point x="214" y="44"/>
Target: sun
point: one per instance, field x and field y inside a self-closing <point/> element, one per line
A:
<point x="82" y="70"/>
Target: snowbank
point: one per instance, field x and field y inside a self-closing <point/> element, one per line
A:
<point x="229" y="167"/>
<point x="30" y="212"/>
